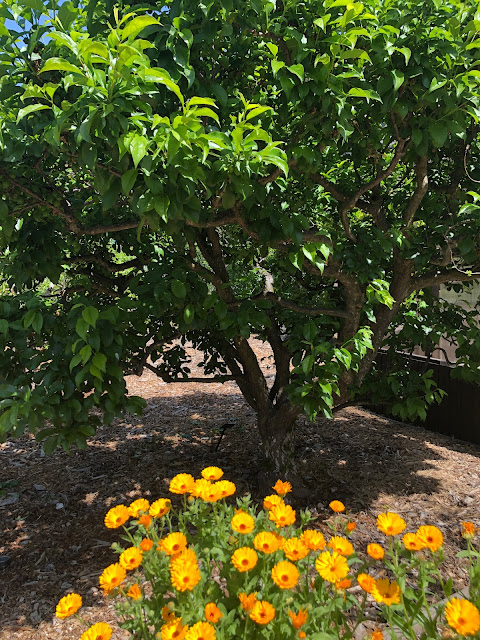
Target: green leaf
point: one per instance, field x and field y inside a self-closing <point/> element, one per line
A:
<point x="59" y="64"/>
<point x="163" y="77"/>
<point x="99" y="360"/>
<point x="398" y="79"/>
<point x="439" y="132"/>
<point x="178" y="289"/>
<point x="369" y="94"/>
<point x="30" y="109"/>
<point x="257" y="111"/>
<point x="90" y="315"/>
<point x="128" y="180"/>
<point x="324" y="58"/>
<point x="138" y="148"/>
<point x="135" y="26"/>
<point x="298" y="70"/>
<point x="276" y="66"/>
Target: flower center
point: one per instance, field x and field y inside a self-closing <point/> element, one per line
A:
<point x="461" y="620"/>
<point x="244" y="562"/>
<point x="185" y="579"/>
<point x="285" y="578"/>
<point x="175" y="547"/>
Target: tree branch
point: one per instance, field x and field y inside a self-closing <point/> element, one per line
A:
<point x="454" y="275"/>
<point x="419" y="193"/>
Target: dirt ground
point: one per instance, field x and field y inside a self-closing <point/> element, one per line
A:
<point x="52" y="508"/>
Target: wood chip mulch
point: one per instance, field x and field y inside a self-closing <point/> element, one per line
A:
<point x="52" y="507"/>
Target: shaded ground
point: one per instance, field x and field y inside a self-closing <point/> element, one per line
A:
<point x="52" y="508"/>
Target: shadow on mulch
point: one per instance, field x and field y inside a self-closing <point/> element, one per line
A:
<point x="54" y="532"/>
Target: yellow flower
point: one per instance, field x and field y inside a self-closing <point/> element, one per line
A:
<point x="463" y="616"/>
<point x="270" y="501"/>
<point x="117" y="516"/>
<point x="386" y="592"/>
<point x="187" y="556"/>
<point x="112" y="577"/>
<point x="295" y="549"/>
<point x="366" y="582"/>
<point x="282" y="488"/>
<point x="174" y="543"/>
<point x="391" y="524"/>
<point x="226" y="488"/>
<point x="282" y="515"/>
<point x="468" y="530"/>
<point x="146" y="544"/>
<point x="313" y="539"/>
<point x="131" y="558"/>
<point x="212" y="493"/>
<point x="200" y="486"/>
<point x="184" y="575"/>
<point x="266" y="542"/>
<point x="212" y="473"/>
<point x="412" y="542"/>
<point x="247" y="602"/>
<point x="341" y="545"/>
<point x="337" y="506"/>
<point x="263" y="612"/>
<point x="298" y="619"/>
<point x="285" y="574"/>
<point x="138" y="506"/>
<point x="243" y="522"/>
<point x="201" y="631"/>
<point x="212" y="612"/>
<point x="430" y="537"/>
<point x="160" y="507"/>
<point x="181" y="483"/>
<point x="331" y="567"/>
<point x="134" y="592"/>
<point x="99" y="631"/>
<point x="244" y="559"/>
<point x="375" y="551"/>
<point x="173" y="630"/>
<point x="68" y="605"/>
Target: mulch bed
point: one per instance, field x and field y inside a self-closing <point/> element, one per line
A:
<point x="52" y="507"/>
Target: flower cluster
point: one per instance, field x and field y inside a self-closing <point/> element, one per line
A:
<point x="211" y="569"/>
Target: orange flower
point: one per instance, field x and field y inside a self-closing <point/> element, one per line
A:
<point x="295" y="549"/>
<point x="167" y="613"/>
<point x="282" y="515"/>
<point x="160" y="508"/>
<point x="173" y="630"/>
<point x="341" y="545"/>
<point x="351" y="526"/>
<point x="366" y="582"/>
<point x="391" y="524"/>
<point x="99" y="631"/>
<point x="266" y="542"/>
<point x="313" y="539"/>
<point x="468" y="530"/>
<point x="412" y="542"/>
<point x="302" y="634"/>
<point x="212" y="612"/>
<point x="247" y="602"/>
<point x="270" y="501"/>
<point x="181" y="483"/>
<point x="112" y="576"/>
<point x="117" y="516"/>
<point x="242" y="522"/>
<point x="244" y="559"/>
<point x="146" y="544"/>
<point x="386" y="592"/>
<point x="138" y="506"/>
<point x="282" y="488"/>
<point x="346" y="583"/>
<point x="184" y="576"/>
<point x="134" y="592"/>
<point x="212" y="473"/>
<point x="225" y="488"/>
<point x="131" y="558"/>
<point x="298" y="619"/>
<point x="201" y="631"/>
<point x="331" y="567"/>
<point x="337" y="506"/>
<point x="463" y="616"/>
<point x="375" y="551"/>
<point x="145" y="520"/>
<point x="68" y="605"/>
<point x="430" y="537"/>
<point x="285" y="574"/>
<point x="174" y="543"/>
<point x="376" y="635"/>
<point x="263" y="612"/>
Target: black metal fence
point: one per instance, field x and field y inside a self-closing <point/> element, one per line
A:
<point x="459" y="412"/>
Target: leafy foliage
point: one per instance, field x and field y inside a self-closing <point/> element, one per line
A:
<point x="300" y="171"/>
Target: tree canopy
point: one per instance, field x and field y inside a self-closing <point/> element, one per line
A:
<point x="201" y="172"/>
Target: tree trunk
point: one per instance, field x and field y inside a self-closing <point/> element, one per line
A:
<point x="277" y="431"/>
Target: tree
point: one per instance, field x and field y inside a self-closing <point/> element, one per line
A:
<point x="208" y="171"/>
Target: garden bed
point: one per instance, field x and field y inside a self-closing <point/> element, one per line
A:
<point x="52" y="508"/>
